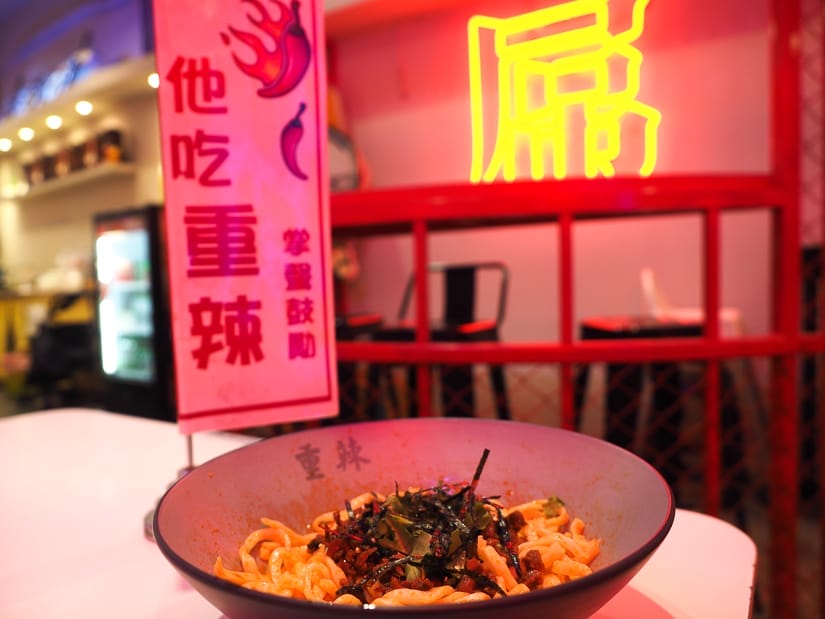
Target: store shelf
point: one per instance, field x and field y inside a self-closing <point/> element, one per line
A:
<point x="104" y="171"/>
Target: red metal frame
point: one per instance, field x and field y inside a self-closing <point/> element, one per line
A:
<point x="784" y="423"/>
<point x="422" y="210"/>
<point x="463" y="205"/>
<point x="820" y="418"/>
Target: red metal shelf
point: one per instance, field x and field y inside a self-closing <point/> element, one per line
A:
<point x="454" y="206"/>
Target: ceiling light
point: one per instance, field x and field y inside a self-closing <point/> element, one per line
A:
<point x="54" y="121"/>
<point x="153" y="80"/>
<point x="84" y="108"/>
<point x="25" y="133"/>
<point x="5" y="145"/>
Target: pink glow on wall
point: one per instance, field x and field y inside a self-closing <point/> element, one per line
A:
<point x="706" y="67"/>
<point x="406" y="89"/>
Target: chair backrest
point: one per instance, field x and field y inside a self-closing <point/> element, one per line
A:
<point x="656" y="303"/>
<point x="460" y="290"/>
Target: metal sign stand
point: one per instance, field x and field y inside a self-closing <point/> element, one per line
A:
<point x="148" y="519"/>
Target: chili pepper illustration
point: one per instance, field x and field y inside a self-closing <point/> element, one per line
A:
<point x="297" y="53"/>
<point x="282" y="66"/>
<point x="291" y="136"/>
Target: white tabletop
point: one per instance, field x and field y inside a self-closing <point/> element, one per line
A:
<point x="76" y="483"/>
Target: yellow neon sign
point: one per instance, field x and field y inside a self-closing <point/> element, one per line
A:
<point x="536" y="48"/>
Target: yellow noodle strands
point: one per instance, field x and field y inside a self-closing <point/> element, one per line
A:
<point x="275" y="559"/>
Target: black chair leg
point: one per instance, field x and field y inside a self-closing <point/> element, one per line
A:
<point x="624" y="384"/>
<point x="735" y="474"/>
<point x="347" y="392"/>
<point x="457" y="393"/>
<point x="664" y="437"/>
<point x="378" y="375"/>
<point x="499" y="384"/>
<point x="580" y="383"/>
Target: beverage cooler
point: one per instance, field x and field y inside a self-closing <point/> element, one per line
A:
<point x="132" y="312"/>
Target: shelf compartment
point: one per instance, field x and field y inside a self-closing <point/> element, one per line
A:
<point x="100" y="172"/>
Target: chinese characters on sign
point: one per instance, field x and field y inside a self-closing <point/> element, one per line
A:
<point x="299" y="307"/>
<point x="553" y="63"/>
<point x="247" y="220"/>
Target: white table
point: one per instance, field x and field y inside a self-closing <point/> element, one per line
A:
<point x="76" y="483"/>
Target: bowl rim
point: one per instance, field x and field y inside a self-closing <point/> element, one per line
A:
<point x="626" y="563"/>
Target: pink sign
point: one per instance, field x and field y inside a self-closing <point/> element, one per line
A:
<point x="243" y="123"/>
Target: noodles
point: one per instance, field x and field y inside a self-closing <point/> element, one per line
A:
<point x="435" y="546"/>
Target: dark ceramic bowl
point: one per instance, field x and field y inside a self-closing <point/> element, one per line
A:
<point x="295" y="477"/>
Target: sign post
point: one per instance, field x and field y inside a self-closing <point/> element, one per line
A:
<point x="242" y="102"/>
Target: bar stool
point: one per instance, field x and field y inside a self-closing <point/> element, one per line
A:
<point x="736" y="375"/>
<point x="662" y="438"/>
<point x="624" y="382"/>
<point x="459" y="323"/>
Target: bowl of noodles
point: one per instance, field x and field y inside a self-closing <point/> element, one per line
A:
<point x="434" y="516"/>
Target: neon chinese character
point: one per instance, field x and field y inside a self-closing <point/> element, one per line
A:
<point x="571" y="69"/>
<point x="299" y="311"/>
<point x="196" y="86"/>
<point x="235" y="321"/>
<point x="349" y="453"/>
<point x="298" y="276"/>
<point x="221" y="240"/>
<point x="296" y="241"/>
<point x="310" y="460"/>
<point x="184" y="150"/>
<point x="301" y="345"/>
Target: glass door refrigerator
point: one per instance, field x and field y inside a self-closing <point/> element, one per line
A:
<point x="132" y="312"/>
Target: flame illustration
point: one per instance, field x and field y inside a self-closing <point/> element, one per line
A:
<point x="281" y="62"/>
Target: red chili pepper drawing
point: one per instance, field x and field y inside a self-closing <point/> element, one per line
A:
<point x="281" y="64"/>
<point x="291" y="136"/>
<point x="297" y="52"/>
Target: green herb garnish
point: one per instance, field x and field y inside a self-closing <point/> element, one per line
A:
<point x="416" y="539"/>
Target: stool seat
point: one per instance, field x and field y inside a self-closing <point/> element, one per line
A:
<point x="349" y="326"/>
<point x="635" y="327"/>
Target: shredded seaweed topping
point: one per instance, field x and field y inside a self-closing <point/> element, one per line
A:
<point x="420" y="539"/>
